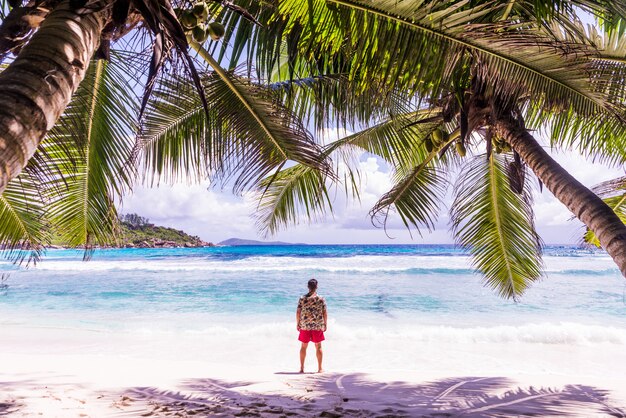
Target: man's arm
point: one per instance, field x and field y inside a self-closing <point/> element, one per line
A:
<point x="298" y="319"/>
<point x="325" y="319"/>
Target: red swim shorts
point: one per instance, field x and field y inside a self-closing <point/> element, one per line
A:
<point x="307" y="335"/>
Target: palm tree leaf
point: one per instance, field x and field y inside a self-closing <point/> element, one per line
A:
<point x="331" y="97"/>
<point x="160" y="18"/>
<point x="595" y="133"/>
<point x="416" y="47"/>
<point x="419" y="184"/>
<point x="247" y="133"/>
<point x="91" y="147"/>
<point x="399" y="140"/>
<point x="433" y="37"/>
<point x="290" y="195"/>
<point x="618" y="205"/>
<point x="175" y="135"/>
<point x="614" y="195"/>
<point x="526" y="53"/>
<point x="23" y="230"/>
<point x="300" y="192"/>
<point x="610" y="188"/>
<point x="495" y="225"/>
<point x="416" y="197"/>
<point x="612" y="14"/>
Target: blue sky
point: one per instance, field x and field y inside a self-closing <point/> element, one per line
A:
<point x="216" y="215"/>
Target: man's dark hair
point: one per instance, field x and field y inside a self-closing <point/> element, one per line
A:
<point x="312" y="285"/>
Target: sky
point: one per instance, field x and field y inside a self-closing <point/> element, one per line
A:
<point x="215" y="215"/>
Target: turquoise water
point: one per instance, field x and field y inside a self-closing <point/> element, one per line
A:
<point x="188" y="289"/>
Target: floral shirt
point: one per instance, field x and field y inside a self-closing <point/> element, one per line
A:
<point x="312" y="310"/>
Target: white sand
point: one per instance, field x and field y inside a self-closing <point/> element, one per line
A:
<point x="76" y="373"/>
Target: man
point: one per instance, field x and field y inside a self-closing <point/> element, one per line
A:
<point x="311" y="320"/>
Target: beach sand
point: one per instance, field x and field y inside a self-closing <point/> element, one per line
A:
<point x="61" y="372"/>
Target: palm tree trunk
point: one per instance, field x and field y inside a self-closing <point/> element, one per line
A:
<point x="38" y="85"/>
<point x="581" y="201"/>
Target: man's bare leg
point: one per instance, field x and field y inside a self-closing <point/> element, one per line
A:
<point x="303" y="356"/>
<point x="320" y="355"/>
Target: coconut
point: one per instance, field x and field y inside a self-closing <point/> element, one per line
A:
<point x="439" y="136"/>
<point x="216" y="30"/>
<point x="429" y="145"/>
<point x="201" y="11"/>
<point x="188" y="19"/>
<point x="200" y="34"/>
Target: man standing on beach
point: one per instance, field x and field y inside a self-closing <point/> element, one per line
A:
<point x="311" y="320"/>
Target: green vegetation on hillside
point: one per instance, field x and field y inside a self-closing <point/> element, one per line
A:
<point x="137" y="231"/>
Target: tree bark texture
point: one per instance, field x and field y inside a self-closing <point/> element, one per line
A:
<point x="38" y="85"/>
<point x="582" y="202"/>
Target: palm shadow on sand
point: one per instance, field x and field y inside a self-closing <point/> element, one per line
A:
<point x="295" y="373"/>
<point x="355" y="395"/>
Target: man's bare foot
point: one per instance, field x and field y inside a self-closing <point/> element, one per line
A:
<point x="301" y="371"/>
<point x="320" y="371"/>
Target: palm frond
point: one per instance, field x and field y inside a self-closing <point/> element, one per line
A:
<point x="299" y="192"/>
<point x="247" y="133"/>
<point x="291" y="194"/>
<point x="414" y="46"/>
<point x="23" y="230"/>
<point x="91" y="146"/>
<point x="239" y="29"/>
<point x="613" y="192"/>
<point x="175" y="138"/>
<point x="331" y="98"/>
<point x="618" y="205"/>
<point x="169" y="36"/>
<point x="611" y="14"/>
<point x="416" y="198"/>
<point x="417" y="48"/>
<point x="419" y="185"/>
<point x="389" y="44"/>
<point x="598" y="133"/>
<point x="495" y="225"/>
<point x="610" y="188"/>
<point x="399" y="140"/>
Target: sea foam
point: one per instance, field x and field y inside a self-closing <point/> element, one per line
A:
<point x="374" y="264"/>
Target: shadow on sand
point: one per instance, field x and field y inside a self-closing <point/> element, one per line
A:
<point x="355" y="395"/>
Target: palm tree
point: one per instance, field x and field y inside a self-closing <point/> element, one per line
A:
<point x="55" y="41"/>
<point x="434" y="76"/>
<point x="87" y="158"/>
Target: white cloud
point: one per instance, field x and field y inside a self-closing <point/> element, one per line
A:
<point x="211" y="214"/>
<point x="216" y="215"/>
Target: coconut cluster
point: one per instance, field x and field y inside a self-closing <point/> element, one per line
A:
<point x="440" y="137"/>
<point x="195" y="21"/>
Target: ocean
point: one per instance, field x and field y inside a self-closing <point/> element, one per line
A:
<point x="374" y="286"/>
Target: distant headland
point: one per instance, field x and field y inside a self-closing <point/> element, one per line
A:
<point x="137" y="232"/>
